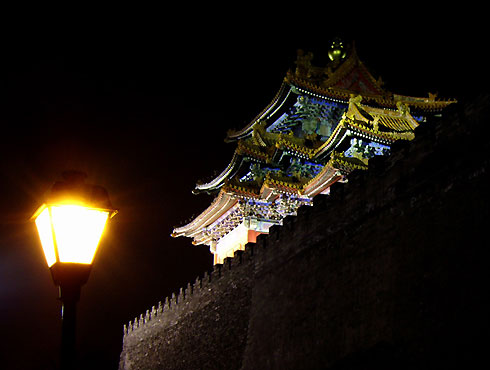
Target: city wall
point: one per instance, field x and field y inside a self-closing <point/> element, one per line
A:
<point x="389" y="272"/>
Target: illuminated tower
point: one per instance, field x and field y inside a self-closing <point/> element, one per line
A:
<point x="323" y="123"/>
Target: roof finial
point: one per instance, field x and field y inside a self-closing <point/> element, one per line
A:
<point x="337" y="50"/>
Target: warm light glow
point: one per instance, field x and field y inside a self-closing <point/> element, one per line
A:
<point x="43" y="223"/>
<point x="70" y="233"/>
<point x="78" y="231"/>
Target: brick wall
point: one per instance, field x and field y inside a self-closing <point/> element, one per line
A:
<point x="389" y="271"/>
<point x="203" y="327"/>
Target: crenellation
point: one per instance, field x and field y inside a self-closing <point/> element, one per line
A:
<point x="182" y="294"/>
<point x="249" y="251"/>
<point x="196" y="284"/>
<point x="303" y="211"/>
<point x="218" y="270"/>
<point x="337" y="192"/>
<point x="190" y="289"/>
<point x="274" y="232"/>
<point x="238" y="257"/>
<point x="227" y="263"/>
<point x="173" y="307"/>
<point x="347" y="252"/>
<point x="215" y="272"/>
<point x="206" y="278"/>
<point x="356" y="178"/>
<point x="288" y="222"/>
<point x="261" y="242"/>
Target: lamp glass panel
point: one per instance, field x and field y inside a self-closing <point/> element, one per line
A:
<point x="78" y="231"/>
<point x="43" y="224"/>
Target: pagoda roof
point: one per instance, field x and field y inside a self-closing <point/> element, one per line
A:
<point x="379" y="124"/>
<point x="279" y="157"/>
<point x="338" y="81"/>
<point x="266" y="190"/>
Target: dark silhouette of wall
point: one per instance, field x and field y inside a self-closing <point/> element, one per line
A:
<point x="389" y="272"/>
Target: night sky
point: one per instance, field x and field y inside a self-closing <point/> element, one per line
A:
<point x="143" y="107"/>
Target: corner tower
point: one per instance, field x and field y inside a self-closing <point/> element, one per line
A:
<point x="323" y="123"/>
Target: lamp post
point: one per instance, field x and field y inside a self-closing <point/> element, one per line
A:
<point x="70" y="224"/>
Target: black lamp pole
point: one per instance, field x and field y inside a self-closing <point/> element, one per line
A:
<point x="69" y="277"/>
<point x="68" y="328"/>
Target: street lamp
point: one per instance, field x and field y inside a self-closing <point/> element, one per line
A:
<point x="70" y="224"/>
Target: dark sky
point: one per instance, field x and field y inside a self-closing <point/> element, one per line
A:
<point x="142" y="106"/>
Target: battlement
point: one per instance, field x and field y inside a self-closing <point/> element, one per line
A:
<point x="367" y="265"/>
<point x="187" y="298"/>
<point x="354" y="192"/>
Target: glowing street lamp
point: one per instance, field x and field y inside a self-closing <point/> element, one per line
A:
<point x="70" y="225"/>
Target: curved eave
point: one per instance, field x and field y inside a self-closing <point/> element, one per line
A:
<point x="394" y="120"/>
<point x="336" y="94"/>
<point x="276" y="104"/>
<point x="337" y="136"/>
<point x="430" y="104"/>
<point x="218" y="181"/>
<point x="221" y="204"/>
<point x="384" y="137"/>
<point x="308" y="88"/>
<point x="385" y="101"/>
<point x="327" y="176"/>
